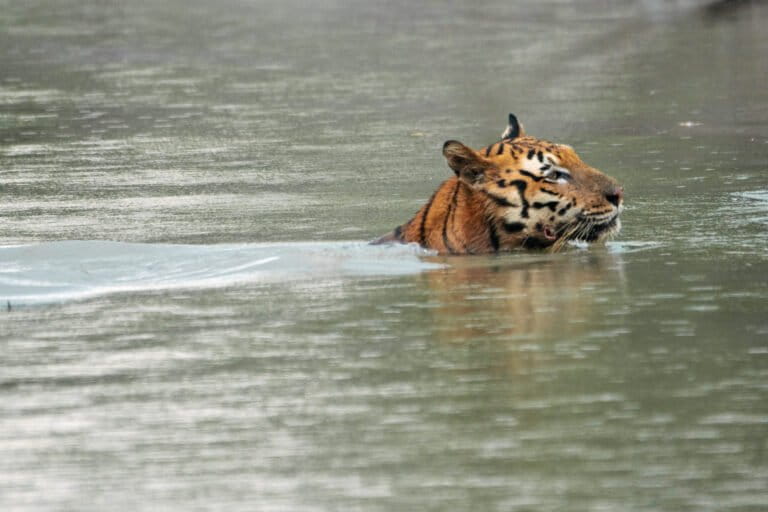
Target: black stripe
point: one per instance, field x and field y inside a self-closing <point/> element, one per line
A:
<point x="513" y="227"/>
<point x="451" y="209"/>
<point x="493" y="234"/>
<point x="399" y="233"/>
<point x="422" y="227"/>
<point x="540" y="156"/>
<point x="530" y="175"/>
<point x="564" y="209"/>
<point x="455" y="196"/>
<point x="501" y="201"/>
<point x="531" y="153"/>
<point x="501" y="183"/>
<point x="552" y="205"/>
<point x="453" y="218"/>
<point x="501" y="148"/>
<point x="521" y="186"/>
<point x="550" y="192"/>
<point x="488" y="150"/>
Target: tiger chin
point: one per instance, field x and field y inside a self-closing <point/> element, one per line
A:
<point x="519" y="192"/>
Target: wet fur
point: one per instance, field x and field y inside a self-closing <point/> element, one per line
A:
<point x="507" y="196"/>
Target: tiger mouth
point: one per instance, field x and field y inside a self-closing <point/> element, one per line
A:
<point x="583" y="229"/>
<point x="592" y="232"/>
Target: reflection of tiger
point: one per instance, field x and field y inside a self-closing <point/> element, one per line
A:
<point x="515" y="299"/>
<point x="518" y="192"/>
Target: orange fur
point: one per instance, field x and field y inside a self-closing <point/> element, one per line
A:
<point x="518" y="192"/>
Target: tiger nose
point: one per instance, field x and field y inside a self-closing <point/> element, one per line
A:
<point x="615" y="195"/>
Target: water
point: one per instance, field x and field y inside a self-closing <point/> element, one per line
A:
<point x="196" y="322"/>
<point x="63" y="271"/>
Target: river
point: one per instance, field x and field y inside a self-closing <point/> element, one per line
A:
<point x="191" y="319"/>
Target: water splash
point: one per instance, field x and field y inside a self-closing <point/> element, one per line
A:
<point x="72" y="270"/>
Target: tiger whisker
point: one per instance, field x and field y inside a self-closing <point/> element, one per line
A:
<point x="566" y="236"/>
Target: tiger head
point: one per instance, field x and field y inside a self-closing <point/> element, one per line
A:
<point x="539" y="191"/>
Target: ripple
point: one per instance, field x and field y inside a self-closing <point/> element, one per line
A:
<point x="63" y="271"/>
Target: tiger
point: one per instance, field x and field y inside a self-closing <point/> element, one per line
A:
<point x="518" y="193"/>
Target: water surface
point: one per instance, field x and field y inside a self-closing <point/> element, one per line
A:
<point x="156" y="157"/>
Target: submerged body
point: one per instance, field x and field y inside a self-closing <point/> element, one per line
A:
<point x="518" y="192"/>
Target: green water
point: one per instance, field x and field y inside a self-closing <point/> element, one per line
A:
<point x="630" y="377"/>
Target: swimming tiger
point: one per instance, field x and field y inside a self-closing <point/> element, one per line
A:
<point x="519" y="192"/>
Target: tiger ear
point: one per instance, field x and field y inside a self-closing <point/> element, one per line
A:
<point x="514" y="129"/>
<point x="465" y="162"/>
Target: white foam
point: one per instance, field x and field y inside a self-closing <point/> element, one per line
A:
<point x="73" y="270"/>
